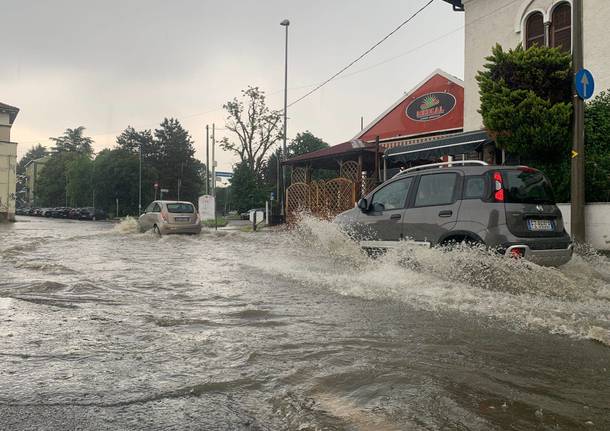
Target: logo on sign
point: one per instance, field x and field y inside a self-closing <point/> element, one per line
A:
<point x="430" y="106"/>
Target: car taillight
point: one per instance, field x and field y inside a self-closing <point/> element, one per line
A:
<point x="164" y="217"/>
<point x="498" y="187"/>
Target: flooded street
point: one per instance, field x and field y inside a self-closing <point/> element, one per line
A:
<point x="106" y="328"/>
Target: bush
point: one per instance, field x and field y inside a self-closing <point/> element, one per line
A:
<point x="220" y="222"/>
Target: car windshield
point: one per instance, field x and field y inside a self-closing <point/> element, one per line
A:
<point x="180" y="208"/>
<point x="527" y="186"/>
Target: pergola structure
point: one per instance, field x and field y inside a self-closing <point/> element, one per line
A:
<point x="366" y="155"/>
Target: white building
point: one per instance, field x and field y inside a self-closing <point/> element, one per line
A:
<point x="510" y="22"/>
<point x="8" y="163"/>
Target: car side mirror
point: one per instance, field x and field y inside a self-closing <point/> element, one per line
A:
<point x="363" y="205"/>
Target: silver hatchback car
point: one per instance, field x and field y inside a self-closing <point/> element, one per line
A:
<point x="165" y="217"/>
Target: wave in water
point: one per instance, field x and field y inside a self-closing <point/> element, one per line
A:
<point x="573" y="300"/>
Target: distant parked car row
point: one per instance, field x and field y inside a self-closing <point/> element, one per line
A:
<point x="87" y="213"/>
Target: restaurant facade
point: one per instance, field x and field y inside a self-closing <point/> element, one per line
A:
<point x="425" y="125"/>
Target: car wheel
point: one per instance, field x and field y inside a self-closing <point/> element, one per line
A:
<point x="156" y="230"/>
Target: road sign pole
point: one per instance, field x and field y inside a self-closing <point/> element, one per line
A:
<point x="207" y="160"/>
<point x="578" y="148"/>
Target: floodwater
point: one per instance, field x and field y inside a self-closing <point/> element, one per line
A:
<point x="105" y="328"/>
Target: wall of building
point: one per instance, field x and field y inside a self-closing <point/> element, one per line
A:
<point x="5" y="128"/>
<point x="8" y="166"/>
<point x="597" y="219"/>
<point x="498" y="21"/>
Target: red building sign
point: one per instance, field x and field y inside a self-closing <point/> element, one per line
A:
<point x="435" y="106"/>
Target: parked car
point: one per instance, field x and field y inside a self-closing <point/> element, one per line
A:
<point x="507" y="208"/>
<point x="74" y="213"/>
<point x="90" y="213"/>
<point x="166" y="217"/>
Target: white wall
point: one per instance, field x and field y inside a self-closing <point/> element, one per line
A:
<point x="494" y="21"/>
<point x="597" y="223"/>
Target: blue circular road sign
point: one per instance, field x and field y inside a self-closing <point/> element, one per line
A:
<point x="585" y="84"/>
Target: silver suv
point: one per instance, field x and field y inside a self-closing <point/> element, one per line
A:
<point x="507" y="208"/>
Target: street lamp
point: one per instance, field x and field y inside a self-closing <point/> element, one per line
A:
<point x="140" y="184"/>
<point x="285" y="24"/>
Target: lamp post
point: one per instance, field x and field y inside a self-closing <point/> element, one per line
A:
<point x="285" y="24"/>
<point x="140" y="184"/>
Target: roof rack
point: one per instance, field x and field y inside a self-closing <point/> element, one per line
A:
<point x="438" y="165"/>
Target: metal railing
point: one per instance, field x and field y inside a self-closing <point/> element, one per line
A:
<point x="438" y="165"/>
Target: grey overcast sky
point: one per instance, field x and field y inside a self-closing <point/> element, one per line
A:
<point x="109" y="64"/>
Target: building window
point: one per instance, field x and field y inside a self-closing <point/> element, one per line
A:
<point x="561" y="27"/>
<point x="534" y="30"/>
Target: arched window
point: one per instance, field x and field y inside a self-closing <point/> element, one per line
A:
<point x="561" y="27"/>
<point x="534" y="30"/>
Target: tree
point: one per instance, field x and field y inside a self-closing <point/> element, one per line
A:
<point x="177" y="167"/>
<point x="33" y="153"/>
<point x="245" y="191"/>
<point x="116" y="176"/>
<point x="79" y="181"/>
<point x="73" y="141"/>
<point x="526" y="107"/>
<point x="131" y="140"/>
<point x="51" y="188"/>
<point x="257" y="128"/>
<point x="303" y="143"/>
<point x="597" y="148"/>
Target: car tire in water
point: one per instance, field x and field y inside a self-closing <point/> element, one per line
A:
<point x="156" y="230"/>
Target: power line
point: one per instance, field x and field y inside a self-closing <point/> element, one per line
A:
<point x="410" y="51"/>
<point x="321" y="84"/>
<point x="405" y="22"/>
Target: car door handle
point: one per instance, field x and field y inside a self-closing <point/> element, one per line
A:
<point x="446" y="213"/>
<point x="395" y="217"/>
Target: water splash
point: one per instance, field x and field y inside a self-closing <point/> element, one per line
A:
<point x="573" y="300"/>
<point x="128" y="225"/>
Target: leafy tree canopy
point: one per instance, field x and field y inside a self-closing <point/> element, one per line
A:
<point x="73" y="141"/>
<point x="246" y="190"/>
<point x="597" y="148"/>
<point x="304" y="143"/>
<point x="526" y="107"/>
<point x="526" y="102"/>
<point x="131" y="140"/>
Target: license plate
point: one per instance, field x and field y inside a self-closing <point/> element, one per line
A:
<point x="540" y="225"/>
<point x="182" y="218"/>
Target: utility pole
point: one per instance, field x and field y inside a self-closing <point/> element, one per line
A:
<point x="207" y="159"/>
<point x="213" y="161"/>
<point x="214" y="174"/>
<point x="285" y="23"/>
<point x="140" y="184"/>
<point x="577" y="207"/>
